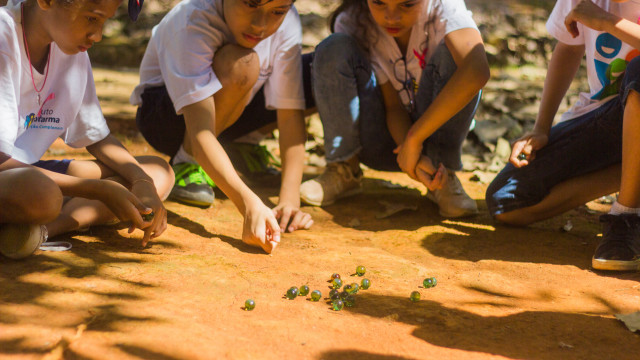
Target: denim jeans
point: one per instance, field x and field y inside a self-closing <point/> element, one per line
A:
<point x="351" y="106"/>
<point x="576" y="147"/>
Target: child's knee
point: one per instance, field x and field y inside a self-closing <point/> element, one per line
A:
<point x="236" y="66"/>
<point x="38" y="198"/>
<point x="333" y="52"/>
<point x="161" y="173"/>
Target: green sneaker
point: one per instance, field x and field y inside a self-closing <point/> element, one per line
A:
<point x="193" y="186"/>
<point x="254" y="162"/>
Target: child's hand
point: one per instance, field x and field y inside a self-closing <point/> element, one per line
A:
<point x="260" y="228"/>
<point x="527" y="145"/>
<point x="427" y="174"/>
<point x="590" y="15"/>
<point x="123" y="203"/>
<point x="292" y="218"/>
<point x="408" y="156"/>
<point x="147" y="193"/>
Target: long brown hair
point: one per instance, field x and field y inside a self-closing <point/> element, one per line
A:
<point x="365" y="24"/>
<point x="363" y="21"/>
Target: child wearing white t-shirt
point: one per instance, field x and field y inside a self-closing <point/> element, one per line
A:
<point x="396" y="87"/>
<point x="208" y="66"/>
<point x="47" y="93"/>
<point x="593" y="150"/>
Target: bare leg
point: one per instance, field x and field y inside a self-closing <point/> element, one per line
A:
<point x="28" y="196"/>
<point x="79" y="212"/>
<point x="237" y="69"/>
<point x="566" y="196"/>
<point x="630" y="180"/>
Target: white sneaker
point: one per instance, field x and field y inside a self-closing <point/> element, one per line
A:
<point x="452" y="200"/>
<point x="18" y="241"/>
<point x="337" y="181"/>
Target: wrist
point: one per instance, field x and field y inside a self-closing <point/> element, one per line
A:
<point x="610" y="22"/>
<point x="412" y="139"/>
<point x="289" y="201"/>
<point x="249" y="201"/>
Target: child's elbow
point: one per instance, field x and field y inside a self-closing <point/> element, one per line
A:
<point x="483" y="73"/>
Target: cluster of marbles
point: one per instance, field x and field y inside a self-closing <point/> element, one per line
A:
<point x="338" y="299"/>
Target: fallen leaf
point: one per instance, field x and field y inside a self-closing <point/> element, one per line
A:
<point x="631" y="320"/>
<point x="393" y="208"/>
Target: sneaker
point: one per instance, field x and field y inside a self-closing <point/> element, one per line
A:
<point x="18" y="241"/>
<point x="452" y="200"/>
<point x="620" y="246"/>
<point x="337" y="181"/>
<point x="254" y="162"/>
<point x="193" y="186"/>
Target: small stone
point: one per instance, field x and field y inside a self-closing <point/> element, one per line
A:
<point x="337" y="305"/>
<point x="249" y="305"/>
<point x="349" y="301"/>
<point x="334" y="294"/>
<point x="292" y="293"/>
<point x="415" y="296"/>
<point x="360" y="270"/>
<point x="429" y="282"/>
<point x="316" y="295"/>
<point x="365" y="283"/>
<point x="304" y="290"/>
<point x="336" y="283"/>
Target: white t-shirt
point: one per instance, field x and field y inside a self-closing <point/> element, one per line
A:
<point x="73" y="113"/>
<point x="607" y="56"/>
<point x="180" y="54"/>
<point x="439" y="18"/>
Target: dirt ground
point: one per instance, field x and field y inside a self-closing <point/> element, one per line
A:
<point x="502" y="292"/>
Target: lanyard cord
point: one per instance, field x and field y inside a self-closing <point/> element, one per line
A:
<point x="26" y="46"/>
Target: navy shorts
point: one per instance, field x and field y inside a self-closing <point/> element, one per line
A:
<point x="59" y="166"/>
<point x="576" y="147"/>
<point x="164" y="129"/>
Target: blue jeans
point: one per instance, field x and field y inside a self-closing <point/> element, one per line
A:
<point x="352" y="109"/>
<point x="576" y="147"/>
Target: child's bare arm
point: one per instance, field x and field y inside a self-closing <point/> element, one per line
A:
<point x="563" y="66"/>
<point x="596" y="18"/>
<point x="398" y="123"/>
<point x="124" y="204"/>
<point x="292" y="138"/>
<point x="116" y="157"/>
<point x="472" y="73"/>
<point x="260" y="227"/>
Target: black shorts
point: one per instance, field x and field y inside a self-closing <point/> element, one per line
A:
<point x="164" y="129"/>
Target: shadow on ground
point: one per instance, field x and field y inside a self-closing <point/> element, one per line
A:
<point x="566" y="336"/>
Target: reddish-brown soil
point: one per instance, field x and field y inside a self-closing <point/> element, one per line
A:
<point x="502" y="292"/>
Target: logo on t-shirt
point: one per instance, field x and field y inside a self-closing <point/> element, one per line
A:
<point x="610" y="74"/>
<point x="44" y="121"/>
<point x="29" y="120"/>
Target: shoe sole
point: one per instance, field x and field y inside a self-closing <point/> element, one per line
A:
<point x="451" y="215"/>
<point x="615" y="265"/>
<point x="345" y="194"/>
<point x="188" y="198"/>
